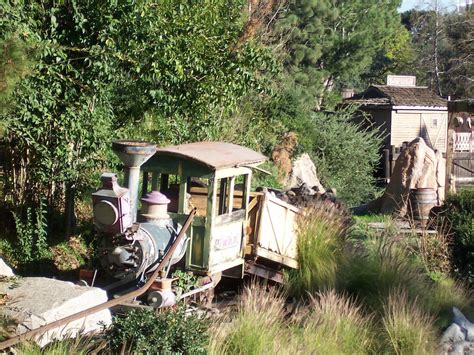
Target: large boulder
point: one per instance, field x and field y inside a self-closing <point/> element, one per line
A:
<point x="5" y="270"/>
<point x="458" y="338"/>
<point x="304" y="172"/>
<point x="36" y="301"/>
<point x="418" y="166"/>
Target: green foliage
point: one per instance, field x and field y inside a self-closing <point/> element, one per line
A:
<point x="261" y="179"/>
<point x="345" y="155"/>
<point x="14" y="64"/>
<point x="336" y="325"/>
<point x="168" y="331"/>
<point x="331" y="43"/>
<point x="80" y="345"/>
<point x="102" y="70"/>
<point x="442" y="42"/>
<point x="458" y="214"/>
<point x="186" y="281"/>
<point x="31" y="234"/>
<point x="7" y="326"/>
<point x="256" y="327"/>
<point x="395" y="57"/>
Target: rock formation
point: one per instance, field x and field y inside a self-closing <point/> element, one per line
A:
<point x="282" y="153"/>
<point x="458" y="338"/>
<point x="418" y="166"/>
<point x="36" y="301"/>
<point x="304" y="172"/>
<point x="5" y="270"/>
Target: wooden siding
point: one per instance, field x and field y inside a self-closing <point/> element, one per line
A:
<point x="430" y="125"/>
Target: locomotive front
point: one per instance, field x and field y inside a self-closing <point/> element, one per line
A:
<point x="133" y="244"/>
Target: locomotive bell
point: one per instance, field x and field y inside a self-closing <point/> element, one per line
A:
<point x="155" y="206"/>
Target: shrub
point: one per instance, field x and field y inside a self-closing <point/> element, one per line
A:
<point x="458" y="214"/>
<point x="170" y="330"/>
<point x="345" y="155"/>
<point x="408" y="330"/>
<point x="375" y="272"/>
<point x="320" y="243"/>
<point x="31" y="230"/>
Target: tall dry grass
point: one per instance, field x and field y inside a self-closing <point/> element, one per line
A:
<point x="327" y="324"/>
<point x="407" y="328"/>
<point x="321" y="232"/>
<point x="334" y="324"/>
<point x="257" y="326"/>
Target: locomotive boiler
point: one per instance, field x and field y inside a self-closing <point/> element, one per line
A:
<point x="131" y="243"/>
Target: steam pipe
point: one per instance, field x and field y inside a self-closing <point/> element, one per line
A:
<point x="132" y="182"/>
<point x="133" y="155"/>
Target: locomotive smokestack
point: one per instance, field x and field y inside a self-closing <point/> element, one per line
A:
<point x="133" y="154"/>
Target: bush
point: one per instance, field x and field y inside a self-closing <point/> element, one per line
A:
<point x="169" y="331"/>
<point x="345" y="154"/>
<point x="458" y="214"/>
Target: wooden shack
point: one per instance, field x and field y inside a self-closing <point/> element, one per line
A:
<point x="403" y="111"/>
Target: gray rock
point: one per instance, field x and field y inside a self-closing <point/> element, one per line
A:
<point x="35" y="301"/>
<point x="304" y="171"/>
<point x="453" y="334"/>
<point x="466" y="326"/>
<point x="462" y="348"/>
<point x="5" y="270"/>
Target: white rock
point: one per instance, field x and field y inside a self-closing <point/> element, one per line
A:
<point x="466" y="326"/>
<point x="462" y="348"/>
<point x="35" y="301"/>
<point x="304" y="171"/>
<point x="5" y="270"/>
<point x="453" y="334"/>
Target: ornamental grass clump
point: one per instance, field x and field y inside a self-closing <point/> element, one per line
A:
<point x="334" y="324"/>
<point x="257" y="326"/>
<point x="321" y="231"/>
<point x="407" y="328"/>
<point x="373" y="274"/>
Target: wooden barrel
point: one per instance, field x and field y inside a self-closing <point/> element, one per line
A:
<point x="421" y="202"/>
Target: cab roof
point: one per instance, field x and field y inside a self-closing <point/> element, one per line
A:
<point x="215" y="155"/>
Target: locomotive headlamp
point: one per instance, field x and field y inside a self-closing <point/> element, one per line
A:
<point x="105" y="213"/>
<point x="111" y="206"/>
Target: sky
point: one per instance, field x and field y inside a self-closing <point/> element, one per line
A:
<point x="449" y="5"/>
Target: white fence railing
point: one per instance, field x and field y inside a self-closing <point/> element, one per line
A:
<point x="463" y="142"/>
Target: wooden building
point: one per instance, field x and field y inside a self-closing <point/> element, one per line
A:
<point x="403" y="111"/>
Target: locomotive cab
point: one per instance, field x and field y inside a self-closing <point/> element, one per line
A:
<point x="215" y="178"/>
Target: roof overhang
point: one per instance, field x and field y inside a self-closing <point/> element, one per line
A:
<point x="214" y="155"/>
<point x="418" y="108"/>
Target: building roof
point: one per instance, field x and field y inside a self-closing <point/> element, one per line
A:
<point x="398" y="96"/>
<point x="216" y="155"/>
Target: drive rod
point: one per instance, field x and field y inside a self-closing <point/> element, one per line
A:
<point x="41" y="330"/>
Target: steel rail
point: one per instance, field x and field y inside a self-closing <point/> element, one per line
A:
<point x="136" y="293"/>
